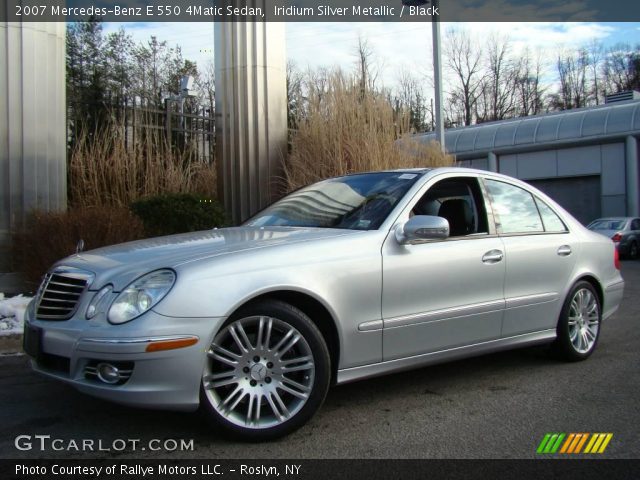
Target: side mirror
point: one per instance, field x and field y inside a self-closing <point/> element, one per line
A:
<point x="422" y="227"/>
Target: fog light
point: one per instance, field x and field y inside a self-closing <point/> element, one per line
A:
<point x="108" y="373"/>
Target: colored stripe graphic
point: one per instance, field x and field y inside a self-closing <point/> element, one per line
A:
<point x="543" y="443"/>
<point x="594" y="437"/>
<point x="605" y="443"/>
<point x="551" y="443"/>
<point x="556" y="446"/>
<point x="573" y="443"/>
<point x="570" y="438"/>
<point x="599" y="442"/>
<point x="582" y="440"/>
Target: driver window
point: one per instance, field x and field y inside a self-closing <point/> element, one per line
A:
<point x="460" y="201"/>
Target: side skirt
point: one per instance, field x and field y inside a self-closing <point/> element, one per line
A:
<point x="347" y="375"/>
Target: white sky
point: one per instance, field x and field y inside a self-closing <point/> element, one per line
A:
<point x="397" y="45"/>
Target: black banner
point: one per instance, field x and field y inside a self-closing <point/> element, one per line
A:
<point x="112" y="469"/>
<point x="320" y="10"/>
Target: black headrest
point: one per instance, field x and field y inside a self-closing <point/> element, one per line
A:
<point x="458" y="213"/>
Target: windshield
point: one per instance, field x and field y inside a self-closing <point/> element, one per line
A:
<point x="607" y="225"/>
<point x="355" y="202"/>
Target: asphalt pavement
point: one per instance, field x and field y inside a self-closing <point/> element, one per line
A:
<point x="495" y="406"/>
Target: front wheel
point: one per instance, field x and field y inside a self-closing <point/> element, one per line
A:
<point x="579" y="324"/>
<point x="267" y="372"/>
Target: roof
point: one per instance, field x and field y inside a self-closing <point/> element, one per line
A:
<point x="604" y="122"/>
<point x="416" y="170"/>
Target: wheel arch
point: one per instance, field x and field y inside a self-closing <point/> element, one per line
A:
<point x="595" y="283"/>
<point x="315" y="309"/>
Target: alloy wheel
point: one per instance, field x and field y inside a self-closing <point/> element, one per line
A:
<point x="584" y="320"/>
<point x="259" y="372"/>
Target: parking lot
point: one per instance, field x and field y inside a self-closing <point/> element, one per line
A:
<point x="496" y="406"/>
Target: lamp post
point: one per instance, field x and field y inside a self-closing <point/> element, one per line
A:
<point x="437" y="67"/>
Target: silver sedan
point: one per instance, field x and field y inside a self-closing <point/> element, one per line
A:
<point x="346" y="279"/>
<point x="624" y="231"/>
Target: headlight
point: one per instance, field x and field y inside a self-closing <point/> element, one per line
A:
<point x="99" y="302"/>
<point x="141" y="295"/>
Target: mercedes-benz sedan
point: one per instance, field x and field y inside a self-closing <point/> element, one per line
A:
<point x="624" y="231"/>
<point x="346" y="279"/>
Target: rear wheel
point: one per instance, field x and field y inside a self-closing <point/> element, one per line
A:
<point x="267" y="372"/>
<point x="633" y="250"/>
<point x="579" y="325"/>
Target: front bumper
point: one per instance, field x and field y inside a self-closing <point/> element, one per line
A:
<point x="167" y="379"/>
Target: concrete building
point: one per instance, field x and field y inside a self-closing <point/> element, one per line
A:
<point x="33" y="171"/>
<point x="586" y="159"/>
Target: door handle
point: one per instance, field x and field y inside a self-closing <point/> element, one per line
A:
<point x="492" y="256"/>
<point x="564" y="250"/>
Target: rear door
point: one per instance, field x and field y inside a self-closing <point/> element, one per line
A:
<point x="539" y="256"/>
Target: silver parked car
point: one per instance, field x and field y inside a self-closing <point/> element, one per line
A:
<point x="346" y="279"/>
<point x="624" y="231"/>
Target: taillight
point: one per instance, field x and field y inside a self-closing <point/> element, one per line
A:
<point x="616" y="258"/>
<point x="617" y="237"/>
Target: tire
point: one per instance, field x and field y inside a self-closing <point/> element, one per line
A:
<point x="266" y="374"/>
<point x="633" y="250"/>
<point x="578" y="328"/>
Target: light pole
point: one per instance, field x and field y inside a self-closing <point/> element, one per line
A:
<point x="437" y="67"/>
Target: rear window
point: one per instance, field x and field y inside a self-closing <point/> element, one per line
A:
<point x="550" y="219"/>
<point x="607" y="225"/>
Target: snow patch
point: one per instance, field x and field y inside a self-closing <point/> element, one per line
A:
<point x="12" y="314"/>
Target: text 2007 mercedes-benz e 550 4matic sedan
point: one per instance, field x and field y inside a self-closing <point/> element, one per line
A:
<point x="346" y="279"/>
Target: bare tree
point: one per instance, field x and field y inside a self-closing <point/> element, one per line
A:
<point x="622" y="68"/>
<point x="207" y="84"/>
<point x="463" y="59"/>
<point x="595" y="53"/>
<point x="529" y="87"/>
<point x="499" y="84"/>
<point x="410" y="96"/>
<point x="366" y="68"/>
<point x="572" y="71"/>
<point x="295" y="96"/>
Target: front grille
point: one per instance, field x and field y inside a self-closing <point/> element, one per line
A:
<point x="60" y="293"/>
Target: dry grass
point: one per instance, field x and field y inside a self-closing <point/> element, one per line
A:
<point x="48" y="237"/>
<point x="103" y="170"/>
<point x="342" y="130"/>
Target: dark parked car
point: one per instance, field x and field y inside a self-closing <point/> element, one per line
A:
<point x="624" y="231"/>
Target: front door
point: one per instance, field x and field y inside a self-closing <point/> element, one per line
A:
<point x="448" y="293"/>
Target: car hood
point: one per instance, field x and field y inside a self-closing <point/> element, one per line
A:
<point x="120" y="264"/>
